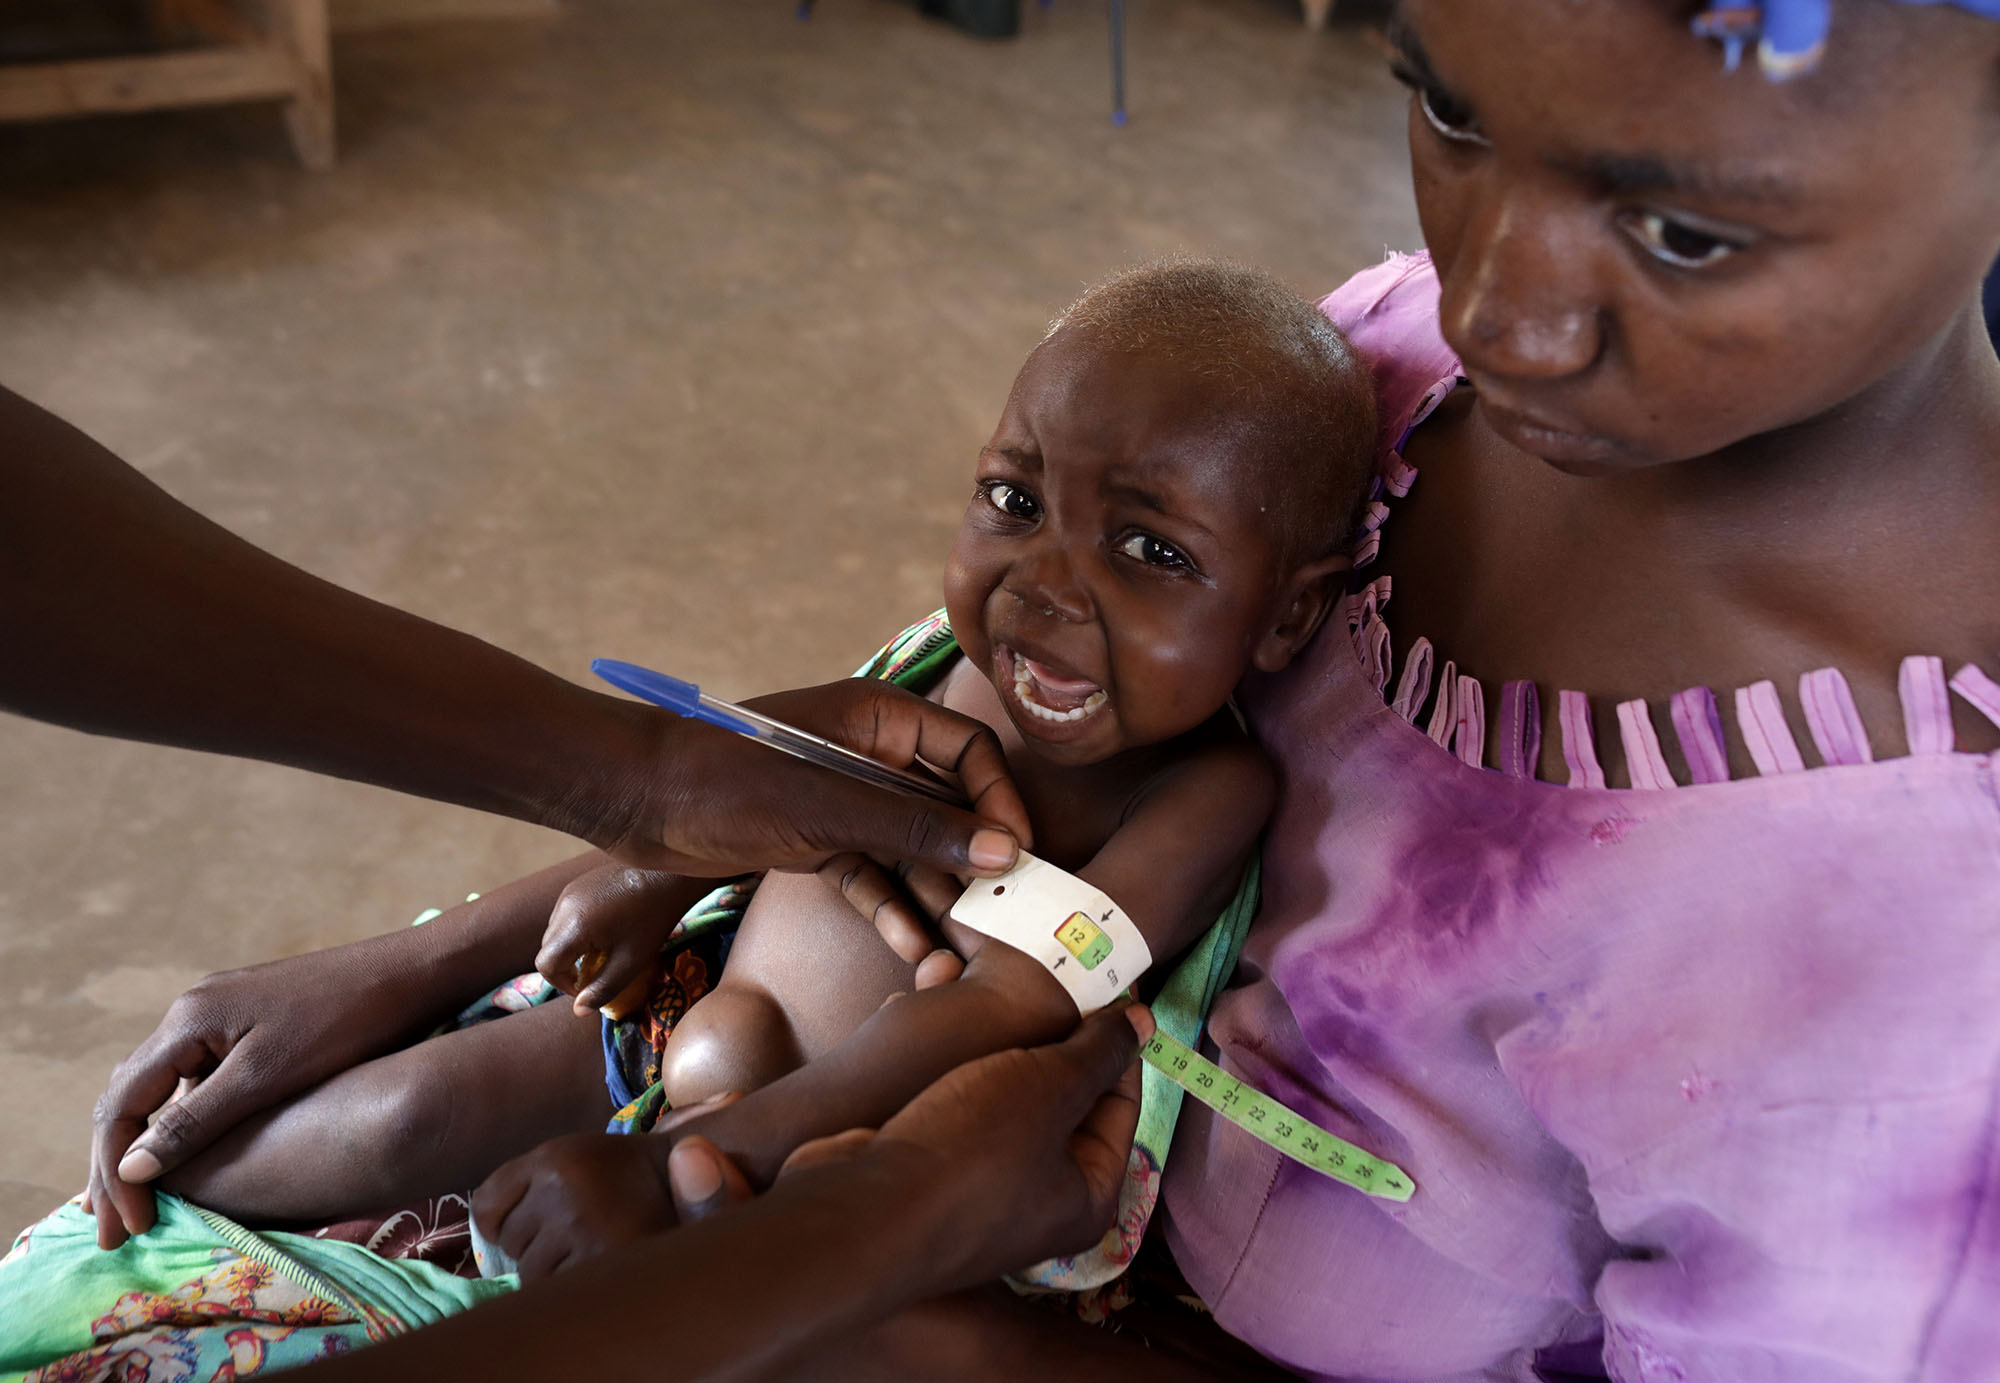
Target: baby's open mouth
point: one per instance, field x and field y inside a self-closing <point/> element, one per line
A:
<point x="1049" y="695"/>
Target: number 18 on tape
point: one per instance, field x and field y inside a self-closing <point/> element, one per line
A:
<point x="1264" y="1118"/>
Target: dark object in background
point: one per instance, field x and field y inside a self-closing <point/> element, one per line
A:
<point x="981" y="18"/>
<point x="1993" y="304"/>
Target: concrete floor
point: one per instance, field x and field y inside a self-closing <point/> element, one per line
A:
<point x="630" y="332"/>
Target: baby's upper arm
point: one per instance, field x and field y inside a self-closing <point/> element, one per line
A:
<point x="1170" y="867"/>
<point x="1176" y="860"/>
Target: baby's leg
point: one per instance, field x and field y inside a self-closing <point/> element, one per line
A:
<point x="805" y="971"/>
<point x="432" y="1118"/>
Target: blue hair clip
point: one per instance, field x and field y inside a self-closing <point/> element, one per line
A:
<point x="1790" y="34"/>
<point x="1732" y="23"/>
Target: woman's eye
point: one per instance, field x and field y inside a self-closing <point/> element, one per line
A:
<point x="1154" y="552"/>
<point x="1445" y="112"/>
<point x="1676" y="243"/>
<point x="1011" y="500"/>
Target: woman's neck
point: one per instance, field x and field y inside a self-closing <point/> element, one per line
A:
<point x="1850" y="541"/>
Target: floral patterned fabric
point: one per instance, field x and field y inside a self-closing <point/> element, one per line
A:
<point x="201" y="1299"/>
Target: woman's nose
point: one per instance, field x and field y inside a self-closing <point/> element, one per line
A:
<point x="1518" y="301"/>
<point x="1047" y="582"/>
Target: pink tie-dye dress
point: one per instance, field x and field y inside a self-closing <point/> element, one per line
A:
<point x="1696" y="1082"/>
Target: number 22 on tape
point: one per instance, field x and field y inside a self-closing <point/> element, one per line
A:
<point x="1264" y="1118"/>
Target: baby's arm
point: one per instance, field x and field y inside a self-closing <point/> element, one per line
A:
<point x="1171" y="867"/>
<point x="604" y="934"/>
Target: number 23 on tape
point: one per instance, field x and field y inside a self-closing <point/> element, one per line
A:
<point x="1264" y="1118"/>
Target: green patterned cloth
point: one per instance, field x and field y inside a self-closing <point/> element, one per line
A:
<point x="199" y="1297"/>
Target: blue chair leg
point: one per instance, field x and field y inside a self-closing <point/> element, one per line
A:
<point x="1118" y="62"/>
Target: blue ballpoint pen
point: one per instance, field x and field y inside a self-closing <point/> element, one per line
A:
<point x="685" y="698"/>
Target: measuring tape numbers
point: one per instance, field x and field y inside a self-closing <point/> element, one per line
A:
<point x="1264" y="1118"/>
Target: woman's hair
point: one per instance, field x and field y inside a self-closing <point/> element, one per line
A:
<point x="1307" y="402"/>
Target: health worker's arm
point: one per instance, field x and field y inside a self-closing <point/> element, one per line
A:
<point x="123" y="612"/>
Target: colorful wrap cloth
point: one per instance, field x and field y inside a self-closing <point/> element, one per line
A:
<point x="199" y="1297"/>
<point x="915" y="660"/>
<point x="1790" y="34"/>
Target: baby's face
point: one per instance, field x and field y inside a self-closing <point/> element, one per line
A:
<point x="1116" y="568"/>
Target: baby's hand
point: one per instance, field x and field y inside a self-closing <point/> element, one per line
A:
<point x="604" y="936"/>
<point x="574" y="1198"/>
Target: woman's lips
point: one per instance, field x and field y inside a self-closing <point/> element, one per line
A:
<point x="1548" y="440"/>
<point x="1052" y="696"/>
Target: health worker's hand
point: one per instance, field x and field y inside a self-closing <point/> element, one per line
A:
<point x="1009" y="1159"/>
<point x="905" y="901"/>
<point x="712" y="803"/>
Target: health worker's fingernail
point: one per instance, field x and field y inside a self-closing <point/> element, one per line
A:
<point x="992" y="849"/>
<point x="1141" y="1019"/>
<point x="138" y="1165"/>
<point x="694" y="1174"/>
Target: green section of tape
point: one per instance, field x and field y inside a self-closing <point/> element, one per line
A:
<point x="1262" y="1117"/>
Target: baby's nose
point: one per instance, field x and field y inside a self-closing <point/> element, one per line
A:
<point x="1048" y="584"/>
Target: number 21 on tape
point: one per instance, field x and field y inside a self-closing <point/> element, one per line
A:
<point x="1264" y="1118"/>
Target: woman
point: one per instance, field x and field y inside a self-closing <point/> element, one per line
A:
<point x="1694" y="1081"/>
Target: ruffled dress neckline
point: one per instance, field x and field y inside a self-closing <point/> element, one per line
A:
<point x="1450" y="706"/>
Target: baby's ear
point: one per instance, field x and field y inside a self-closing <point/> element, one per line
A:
<point x="1309" y="596"/>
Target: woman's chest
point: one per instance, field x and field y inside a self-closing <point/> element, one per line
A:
<point x="1567" y="1013"/>
<point x="1516" y="572"/>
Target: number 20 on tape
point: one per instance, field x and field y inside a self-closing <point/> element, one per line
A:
<point x="1264" y="1118"/>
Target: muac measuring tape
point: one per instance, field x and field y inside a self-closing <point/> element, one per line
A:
<point x="1263" y="1118"/>
<point x="1074" y="929"/>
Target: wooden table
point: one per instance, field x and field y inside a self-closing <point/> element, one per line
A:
<point x="242" y="50"/>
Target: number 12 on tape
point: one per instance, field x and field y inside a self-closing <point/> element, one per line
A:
<point x="1263" y="1117"/>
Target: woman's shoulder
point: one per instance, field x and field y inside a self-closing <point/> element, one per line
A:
<point x="1390" y="312"/>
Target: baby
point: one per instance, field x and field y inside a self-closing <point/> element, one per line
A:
<point x="1165" y="506"/>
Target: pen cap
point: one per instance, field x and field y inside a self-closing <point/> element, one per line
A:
<point x="683" y="698"/>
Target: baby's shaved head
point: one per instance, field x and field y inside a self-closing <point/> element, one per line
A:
<point x="1308" y="408"/>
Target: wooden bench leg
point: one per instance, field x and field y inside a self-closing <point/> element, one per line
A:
<point x="1318" y="12"/>
<point x="300" y="28"/>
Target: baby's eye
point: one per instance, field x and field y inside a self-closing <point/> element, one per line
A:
<point x="1154" y="552"/>
<point x="1011" y="500"/>
<point x="1448" y="116"/>
<point x="1675" y="242"/>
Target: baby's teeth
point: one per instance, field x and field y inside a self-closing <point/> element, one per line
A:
<point x="1024" y="692"/>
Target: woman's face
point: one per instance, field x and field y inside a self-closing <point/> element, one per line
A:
<point x="1646" y="258"/>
